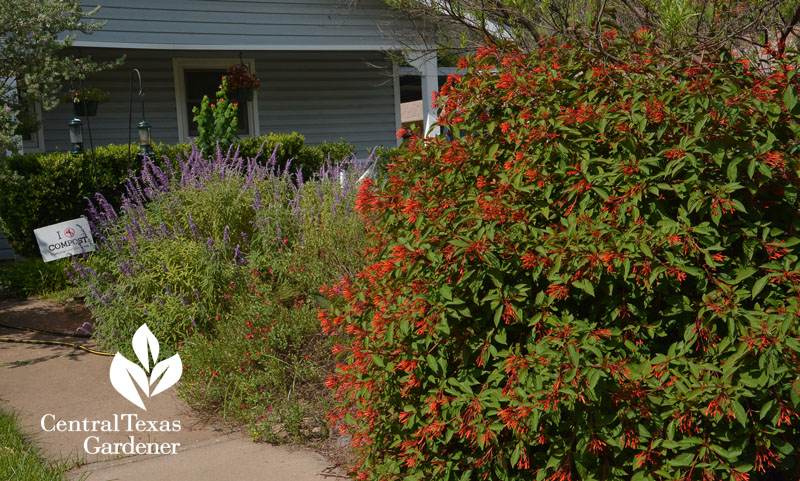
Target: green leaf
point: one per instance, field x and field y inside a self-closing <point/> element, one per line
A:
<point x="789" y="98"/>
<point x="765" y="409"/>
<point x="698" y="127"/>
<point x="446" y="292"/>
<point x="432" y="363"/>
<point x="733" y="171"/>
<point x="758" y="286"/>
<point x="749" y="248"/>
<point x="492" y="151"/>
<point x="744" y="273"/>
<point x="585" y="285"/>
<point x="574" y="357"/>
<point x="739" y="412"/>
<point x="684" y="459"/>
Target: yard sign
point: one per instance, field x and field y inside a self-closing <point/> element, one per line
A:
<point x="64" y="239"/>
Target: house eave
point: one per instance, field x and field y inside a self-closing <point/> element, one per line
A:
<point x="250" y="48"/>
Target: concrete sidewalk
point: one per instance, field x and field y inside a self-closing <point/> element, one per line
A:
<point x="47" y="384"/>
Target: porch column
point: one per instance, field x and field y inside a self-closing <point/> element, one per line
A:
<point x="427" y="65"/>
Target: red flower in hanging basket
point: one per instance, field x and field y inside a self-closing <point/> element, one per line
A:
<point x="239" y="77"/>
<point x="89" y="95"/>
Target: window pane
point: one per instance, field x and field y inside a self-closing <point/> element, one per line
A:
<point x="206" y="82"/>
<point x="29" y="127"/>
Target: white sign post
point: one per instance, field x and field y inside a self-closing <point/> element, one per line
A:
<point x="64" y="239"/>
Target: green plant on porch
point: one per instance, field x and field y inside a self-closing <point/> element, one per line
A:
<point x="217" y="122"/>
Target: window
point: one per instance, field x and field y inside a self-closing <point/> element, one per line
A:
<point x="33" y="138"/>
<point x="195" y="78"/>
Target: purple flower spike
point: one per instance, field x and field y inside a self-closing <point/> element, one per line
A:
<point x="193" y="227"/>
<point x="238" y="258"/>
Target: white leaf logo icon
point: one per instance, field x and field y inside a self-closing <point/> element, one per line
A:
<point x="172" y="369"/>
<point x="143" y="341"/>
<point x="126" y="375"/>
<point x="123" y="373"/>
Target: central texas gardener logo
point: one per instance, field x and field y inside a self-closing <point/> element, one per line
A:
<point x="126" y="375"/>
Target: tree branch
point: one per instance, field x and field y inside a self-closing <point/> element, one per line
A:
<point x="788" y="30"/>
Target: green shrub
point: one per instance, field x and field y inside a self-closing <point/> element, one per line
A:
<point x="289" y="146"/>
<point x="596" y="279"/>
<point x="31" y="277"/>
<point x="42" y="189"/>
<point x="314" y="157"/>
<point x="308" y="158"/>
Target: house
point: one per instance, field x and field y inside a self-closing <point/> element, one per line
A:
<point x="6" y="252"/>
<point x="324" y="67"/>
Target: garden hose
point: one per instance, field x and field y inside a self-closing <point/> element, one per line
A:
<point x="53" y="343"/>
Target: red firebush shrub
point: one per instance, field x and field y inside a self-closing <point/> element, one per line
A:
<point x="595" y="277"/>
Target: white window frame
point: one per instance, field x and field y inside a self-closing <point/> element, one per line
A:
<point x="180" y="65"/>
<point x="36" y="144"/>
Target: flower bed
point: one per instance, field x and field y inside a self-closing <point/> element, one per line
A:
<point x="222" y="257"/>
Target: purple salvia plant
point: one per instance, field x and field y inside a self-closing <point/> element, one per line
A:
<point x="238" y="258"/>
<point x="225" y="237"/>
<point x="125" y="268"/>
<point x="165" y="230"/>
<point x="107" y="211"/>
<point x="131" y="237"/>
<point x="94" y="214"/>
<point x="168" y="165"/>
<point x="124" y="232"/>
<point x="193" y="227"/>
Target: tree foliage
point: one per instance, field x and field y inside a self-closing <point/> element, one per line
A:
<point x="33" y="63"/>
<point x="597" y="277"/>
<point x="680" y="25"/>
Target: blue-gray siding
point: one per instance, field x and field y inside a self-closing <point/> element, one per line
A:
<point x="5" y="249"/>
<point x="254" y="24"/>
<point x="323" y="95"/>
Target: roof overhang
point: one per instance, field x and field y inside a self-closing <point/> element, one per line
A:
<point x="249" y="48"/>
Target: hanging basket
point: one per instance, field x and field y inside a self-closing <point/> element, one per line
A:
<point x="244" y="95"/>
<point x="84" y="109"/>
